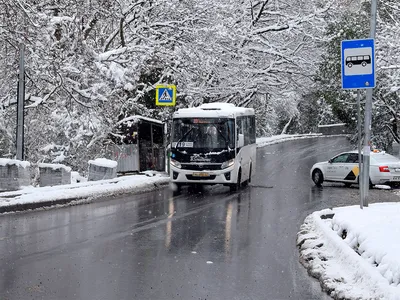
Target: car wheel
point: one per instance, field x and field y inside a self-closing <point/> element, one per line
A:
<point x="317" y="177"/>
<point x="236" y="186"/>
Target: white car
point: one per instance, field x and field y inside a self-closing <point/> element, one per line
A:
<point x="384" y="169"/>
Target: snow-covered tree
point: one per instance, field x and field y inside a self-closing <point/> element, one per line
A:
<point x="90" y="64"/>
<point x="355" y="25"/>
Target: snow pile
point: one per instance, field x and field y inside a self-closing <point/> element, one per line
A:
<point x="374" y="234"/>
<point x="19" y="163"/>
<point x="84" y="190"/>
<point x="76" y="177"/>
<point x="103" y="162"/>
<point x="355" y="254"/>
<point x="265" y="141"/>
<point x="54" y="166"/>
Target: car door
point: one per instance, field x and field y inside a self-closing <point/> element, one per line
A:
<point x="336" y="168"/>
<point x="351" y="169"/>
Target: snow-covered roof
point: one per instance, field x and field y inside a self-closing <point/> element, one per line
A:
<point x="19" y="163"/>
<point x="54" y="166"/>
<point x="213" y="110"/>
<point x="103" y="162"/>
<point x="137" y="118"/>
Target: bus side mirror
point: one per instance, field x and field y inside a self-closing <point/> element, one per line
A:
<point x="240" y="140"/>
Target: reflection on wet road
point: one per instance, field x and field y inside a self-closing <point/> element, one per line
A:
<point x="209" y="245"/>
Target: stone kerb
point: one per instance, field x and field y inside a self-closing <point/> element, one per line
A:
<point x="54" y="174"/>
<point x="14" y="174"/>
<point x="102" y="168"/>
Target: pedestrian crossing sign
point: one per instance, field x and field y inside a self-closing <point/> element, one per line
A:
<point x="165" y="95"/>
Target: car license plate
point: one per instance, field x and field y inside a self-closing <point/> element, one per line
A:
<point x="201" y="174"/>
<point x="396" y="178"/>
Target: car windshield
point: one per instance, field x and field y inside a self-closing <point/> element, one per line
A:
<point x="208" y="133"/>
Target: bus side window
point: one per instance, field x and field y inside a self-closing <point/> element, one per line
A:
<point x="247" y="130"/>
<point x="238" y="128"/>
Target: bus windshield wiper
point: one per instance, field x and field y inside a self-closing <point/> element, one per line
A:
<point x="183" y="137"/>
<point x="225" y="139"/>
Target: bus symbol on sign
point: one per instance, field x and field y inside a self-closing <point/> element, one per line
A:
<point x="358" y="61"/>
<point x="363" y="60"/>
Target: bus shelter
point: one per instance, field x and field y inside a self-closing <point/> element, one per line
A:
<point x="139" y="145"/>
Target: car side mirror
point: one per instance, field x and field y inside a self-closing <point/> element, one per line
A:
<point x="330" y="161"/>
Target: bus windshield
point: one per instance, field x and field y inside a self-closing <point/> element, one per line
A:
<point x="205" y="133"/>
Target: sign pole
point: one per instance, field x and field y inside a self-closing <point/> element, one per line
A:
<point x="368" y="114"/>
<point x="360" y="169"/>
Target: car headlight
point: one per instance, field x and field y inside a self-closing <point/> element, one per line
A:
<point x="228" y="164"/>
<point x="175" y="163"/>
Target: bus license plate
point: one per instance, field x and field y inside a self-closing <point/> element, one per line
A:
<point x="201" y="174"/>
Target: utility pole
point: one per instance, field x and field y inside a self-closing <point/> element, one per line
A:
<point x="20" y="103"/>
<point x="368" y="117"/>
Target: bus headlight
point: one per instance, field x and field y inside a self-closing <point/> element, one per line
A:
<point x="175" y="163"/>
<point x="228" y="164"/>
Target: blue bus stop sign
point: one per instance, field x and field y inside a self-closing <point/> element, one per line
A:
<point x="358" y="64"/>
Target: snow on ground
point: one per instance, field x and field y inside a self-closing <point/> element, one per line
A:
<point x="83" y="190"/>
<point x="356" y="253"/>
<point x="264" y="141"/>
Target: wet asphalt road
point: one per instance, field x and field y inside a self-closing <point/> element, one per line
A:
<point x="212" y="245"/>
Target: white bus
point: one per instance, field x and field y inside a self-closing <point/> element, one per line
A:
<point x="214" y="143"/>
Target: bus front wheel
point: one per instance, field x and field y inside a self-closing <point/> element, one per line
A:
<point x="236" y="186"/>
<point x="177" y="190"/>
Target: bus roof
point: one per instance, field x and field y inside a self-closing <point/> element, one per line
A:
<point x="214" y="110"/>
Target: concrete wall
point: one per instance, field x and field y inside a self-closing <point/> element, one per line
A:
<point x="333" y="129"/>
<point x="13" y="177"/>
<point x="97" y="172"/>
<point x="54" y="175"/>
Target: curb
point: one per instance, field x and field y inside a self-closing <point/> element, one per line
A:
<point x="77" y="200"/>
<point x="317" y="243"/>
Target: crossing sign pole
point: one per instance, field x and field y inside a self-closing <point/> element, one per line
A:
<point x="165" y="95"/>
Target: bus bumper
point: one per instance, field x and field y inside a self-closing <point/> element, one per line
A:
<point x="225" y="176"/>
